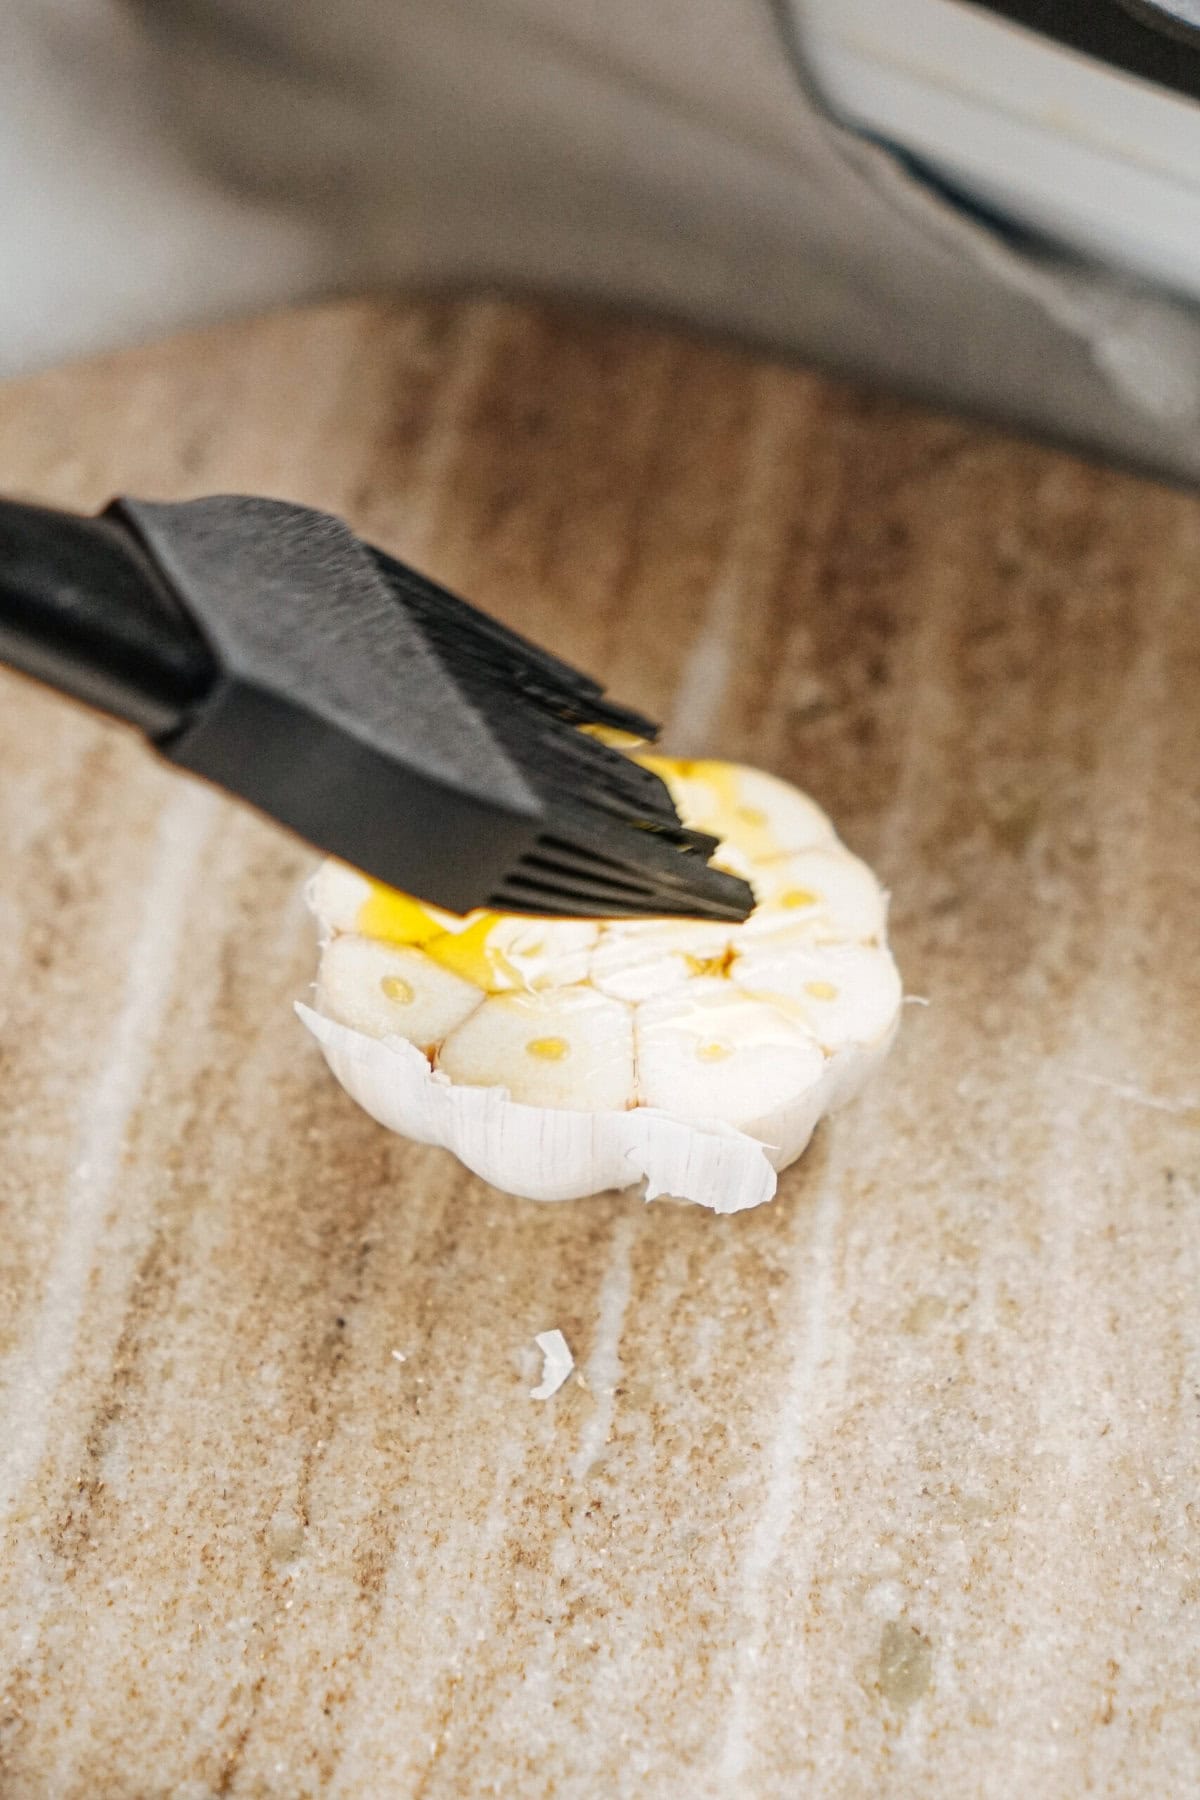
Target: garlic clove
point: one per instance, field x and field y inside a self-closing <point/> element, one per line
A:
<point x="634" y="961"/>
<point x="336" y="895"/>
<point x="571" y="1047"/>
<point x="527" y="954"/>
<point x="817" y="896"/>
<point x="710" y="1051"/>
<point x="756" y="815"/>
<point x="842" y="993"/>
<point x="385" y="989"/>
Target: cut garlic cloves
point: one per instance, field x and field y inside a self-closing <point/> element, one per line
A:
<point x="560" y="1057"/>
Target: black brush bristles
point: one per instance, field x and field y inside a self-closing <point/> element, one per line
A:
<point x="613" y="844"/>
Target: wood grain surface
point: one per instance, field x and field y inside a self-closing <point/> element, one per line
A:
<point x="888" y="1489"/>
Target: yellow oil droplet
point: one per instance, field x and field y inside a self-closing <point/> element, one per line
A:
<point x="709" y="965"/>
<point x="396" y="918"/>
<point x="821" y="990"/>
<point x="548" y="1049"/>
<point x="396" y="988"/>
<point x="465" y="950"/>
<point x="712" y="1052"/>
<point x="796" y="897"/>
<point x="471" y="954"/>
<point x="704" y="965"/>
<point x="613" y="736"/>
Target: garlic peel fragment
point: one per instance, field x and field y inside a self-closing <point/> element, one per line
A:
<point x="557" y="1363"/>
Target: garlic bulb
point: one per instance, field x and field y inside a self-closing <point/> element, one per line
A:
<point x="559" y="1057"/>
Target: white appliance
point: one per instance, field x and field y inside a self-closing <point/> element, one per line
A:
<point x="1100" y="155"/>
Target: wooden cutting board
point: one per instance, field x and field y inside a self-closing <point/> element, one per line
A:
<point x="890" y="1488"/>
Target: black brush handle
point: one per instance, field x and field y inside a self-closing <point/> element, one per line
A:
<point x="257" y="644"/>
<point x="83" y="608"/>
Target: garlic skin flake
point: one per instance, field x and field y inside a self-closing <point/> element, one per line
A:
<point x="557" y="1058"/>
<point x="557" y="1363"/>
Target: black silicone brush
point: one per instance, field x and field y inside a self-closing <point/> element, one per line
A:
<point x="266" y="647"/>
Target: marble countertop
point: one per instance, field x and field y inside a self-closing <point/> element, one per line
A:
<point x="887" y="1489"/>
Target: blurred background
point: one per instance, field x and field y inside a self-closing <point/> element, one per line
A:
<point x="995" y="206"/>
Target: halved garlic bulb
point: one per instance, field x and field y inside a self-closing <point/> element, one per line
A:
<point x="559" y="1057"/>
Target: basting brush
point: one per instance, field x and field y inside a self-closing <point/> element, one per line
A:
<point x="264" y="646"/>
